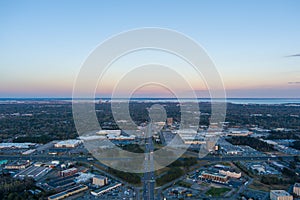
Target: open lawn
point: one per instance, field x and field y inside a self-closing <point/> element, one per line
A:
<point x="257" y="185"/>
<point x="217" y="192"/>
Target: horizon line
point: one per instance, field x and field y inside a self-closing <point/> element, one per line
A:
<point x="107" y="98"/>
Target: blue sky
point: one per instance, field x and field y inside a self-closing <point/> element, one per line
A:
<point x="44" y="43"/>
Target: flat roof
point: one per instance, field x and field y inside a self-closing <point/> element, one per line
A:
<point x="18" y="163"/>
<point x="69" y="142"/>
<point x="69" y="170"/>
<point x="281" y="192"/>
<point x="32" y="171"/>
<point x="106" y="187"/>
<point x="67" y="191"/>
<point x="24" y="145"/>
<point x="105" y="132"/>
<point x="100" y="177"/>
<point x="215" y="174"/>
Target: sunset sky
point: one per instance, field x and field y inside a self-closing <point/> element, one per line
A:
<point x="255" y="45"/>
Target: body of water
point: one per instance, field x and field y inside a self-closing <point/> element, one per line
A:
<point x="228" y="100"/>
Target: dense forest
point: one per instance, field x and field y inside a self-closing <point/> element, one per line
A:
<point x="15" y="189"/>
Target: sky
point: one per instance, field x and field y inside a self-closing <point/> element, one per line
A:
<point x="254" y="44"/>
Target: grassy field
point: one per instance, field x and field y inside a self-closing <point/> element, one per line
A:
<point x="257" y="185"/>
<point x="217" y="192"/>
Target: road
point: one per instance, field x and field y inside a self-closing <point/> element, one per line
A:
<point x="241" y="189"/>
<point x="148" y="178"/>
<point x="46" y="157"/>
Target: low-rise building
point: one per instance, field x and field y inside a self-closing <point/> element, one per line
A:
<point x="11" y="145"/>
<point x="17" y="165"/>
<point x="231" y="150"/>
<point x="69" y="192"/>
<point x="109" y="132"/>
<point x="169" y="121"/>
<point x="104" y="189"/>
<point x="238" y="132"/>
<point x="68" y="144"/>
<point x="296" y="189"/>
<point x="33" y="172"/>
<point x="83" y="177"/>
<point x="260" y="169"/>
<point x="68" y="172"/>
<point x="280" y="195"/>
<point x="100" y="180"/>
<point x="214" y="176"/>
<point x="30" y="151"/>
<point x="120" y="137"/>
<point x="230" y="173"/>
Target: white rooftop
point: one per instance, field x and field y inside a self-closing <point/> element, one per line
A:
<point x="25" y="145"/>
<point x="92" y="137"/>
<point x="69" y="142"/>
<point x="105" y="132"/>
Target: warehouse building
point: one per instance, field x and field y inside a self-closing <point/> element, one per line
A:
<point x="105" y="189"/>
<point x="68" y="144"/>
<point x="109" y="132"/>
<point x="33" y="172"/>
<point x="17" y="165"/>
<point x="25" y="145"/>
<point x="69" y="192"/>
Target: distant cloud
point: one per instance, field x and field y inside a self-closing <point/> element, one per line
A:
<point x="294" y="55"/>
<point x="293" y="83"/>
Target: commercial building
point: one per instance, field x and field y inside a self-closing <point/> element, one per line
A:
<point x="190" y="136"/>
<point x="67" y="144"/>
<point x="237" y="132"/>
<point x="259" y="169"/>
<point x="120" y="137"/>
<point x="108" y="132"/>
<point x="30" y="151"/>
<point x="68" y="172"/>
<point x="230" y="173"/>
<point x="296" y="189"/>
<point x="105" y="189"/>
<point x="232" y="150"/>
<point x="69" y="192"/>
<point x="169" y="121"/>
<point x="280" y="195"/>
<point x="25" y="145"/>
<point x="92" y="137"/>
<point x="52" y="164"/>
<point x="226" y="170"/>
<point x="83" y="177"/>
<point x="17" y="165"/>
<point x="192" y="141"/>
<point x="33" y="172"/>
<point x="214" y="176"/>
<point x="62" y="182"/>
<point x="100" y="180"/>
<point x="210" y="144"/>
